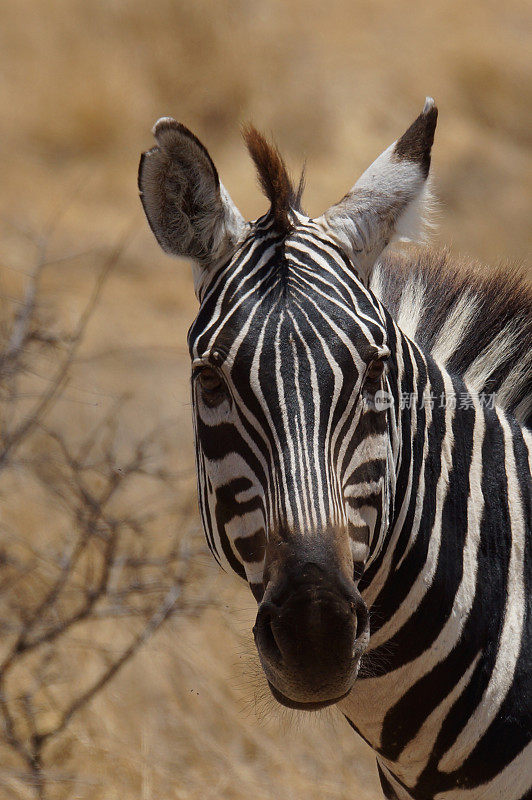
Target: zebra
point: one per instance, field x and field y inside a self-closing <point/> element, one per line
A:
<point x="362" y="421"/>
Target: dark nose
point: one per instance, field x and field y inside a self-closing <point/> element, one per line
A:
<point x="308" y="627"/>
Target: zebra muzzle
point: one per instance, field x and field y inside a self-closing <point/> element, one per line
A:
<point x="310" y="633"/>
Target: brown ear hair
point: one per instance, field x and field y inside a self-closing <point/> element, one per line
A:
<point x="188" y="209"/>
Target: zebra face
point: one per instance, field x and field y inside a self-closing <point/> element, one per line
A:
<point x="289" y="357"/>
<point x="288" y="352"/>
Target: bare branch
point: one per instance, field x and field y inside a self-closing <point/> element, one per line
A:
<point x="96" y="579"/>
<point x="167" y="607"/>
<point x="23" y="318"/>
<point x="12" y="439"/>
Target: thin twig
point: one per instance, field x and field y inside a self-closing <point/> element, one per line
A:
<point x="154" y="623"/>
<point x="37" y="412"/>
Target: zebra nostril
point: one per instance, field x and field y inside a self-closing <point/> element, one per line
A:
<point x="264" y="633"/>
<point x="360" y="615"/>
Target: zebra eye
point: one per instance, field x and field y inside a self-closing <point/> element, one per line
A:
<point x="212" y="387"/>
<point x="375" y="371"/>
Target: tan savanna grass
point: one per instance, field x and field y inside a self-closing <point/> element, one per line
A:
<point x="81" y="84"/>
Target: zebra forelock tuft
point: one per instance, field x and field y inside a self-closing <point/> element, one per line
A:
<point x="274" y="178"/>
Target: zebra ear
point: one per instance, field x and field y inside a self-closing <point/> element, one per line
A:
<point x="188" y="209"/>
<point x="388" y="200"/>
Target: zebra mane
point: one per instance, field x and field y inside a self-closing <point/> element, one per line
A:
<point x="477" y="324"/>
<point x="274" y="178"/>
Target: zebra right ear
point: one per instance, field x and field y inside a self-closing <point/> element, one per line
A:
<point x="188" y="209"/>
<point x="389" y="200"/>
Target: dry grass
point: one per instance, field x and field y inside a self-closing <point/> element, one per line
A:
<point x="81" y="84"/>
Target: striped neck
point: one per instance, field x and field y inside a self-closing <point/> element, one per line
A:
<point x="438" y="629"/>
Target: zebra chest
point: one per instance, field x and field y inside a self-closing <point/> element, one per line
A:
<point x="375" y="708"/>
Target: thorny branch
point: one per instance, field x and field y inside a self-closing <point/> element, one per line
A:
<point x="23" y="333"/>
<point x="100" y="582"/>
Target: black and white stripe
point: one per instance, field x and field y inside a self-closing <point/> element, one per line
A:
<point x="298" y="342"/>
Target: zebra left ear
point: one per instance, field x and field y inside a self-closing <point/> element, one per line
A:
<point x="188" y="208"/>
<point x="388" y="200"/>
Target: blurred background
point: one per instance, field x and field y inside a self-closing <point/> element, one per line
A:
<point x="100" y="409"/>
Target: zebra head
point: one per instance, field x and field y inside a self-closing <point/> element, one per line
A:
<point x="291" y="371"/>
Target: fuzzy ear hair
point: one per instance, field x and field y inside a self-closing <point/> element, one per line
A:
<point x="188" y="209"/>
<point x="388" y="200"/>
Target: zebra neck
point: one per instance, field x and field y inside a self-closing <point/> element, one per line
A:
<point x="447" y="590"/>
